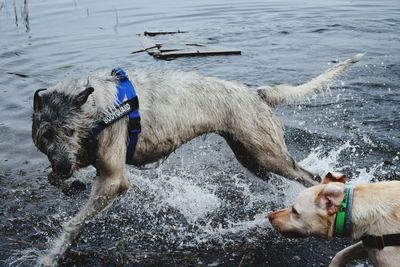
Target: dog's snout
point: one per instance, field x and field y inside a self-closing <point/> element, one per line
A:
<point x="271" y="215"/>
<point x="275" y="214"/>
<point x="62" y="167"/>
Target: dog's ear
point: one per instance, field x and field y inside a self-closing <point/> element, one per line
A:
<point x="82" y="97"/>
<point x="331" y="198"/>
<point x="37" y="100"/>
<point x="334" y="177"/>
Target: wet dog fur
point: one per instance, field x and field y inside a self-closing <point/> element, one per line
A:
<point x="375" y="211"/>
<point x="175" y="107"/>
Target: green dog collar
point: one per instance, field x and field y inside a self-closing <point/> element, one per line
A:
<point x="343" y="216"/>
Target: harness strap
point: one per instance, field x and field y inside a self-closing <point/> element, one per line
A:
<point x="125" y="90"/>
<point x="117" y="114"/>
<point x="381" y="241"/>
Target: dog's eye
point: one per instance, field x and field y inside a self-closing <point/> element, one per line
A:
<point x="49" y="135"/>
<point x="294" y="211"/>
<point x="69" y="131"/>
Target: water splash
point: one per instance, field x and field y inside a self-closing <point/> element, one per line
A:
<point x="182" y="205"/>
<point x="206" y="203"/>
<point x="193" y="200"/>
<point x="26" y="257"/>
<point x="320" y="161"/>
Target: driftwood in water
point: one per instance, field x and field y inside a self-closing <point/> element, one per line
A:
<point x="196" y="53"/>
<point x="152" y="34"/>
<point x="168" y="51"/>
<point x="149" y="46"/>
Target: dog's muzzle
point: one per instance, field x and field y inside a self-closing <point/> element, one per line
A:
<point x="62" y="170"/>
<point x="68" y="186"/>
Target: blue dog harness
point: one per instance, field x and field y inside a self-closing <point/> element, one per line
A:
<point x="127" y="104"/>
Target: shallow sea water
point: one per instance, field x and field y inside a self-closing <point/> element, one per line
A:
<point x="200" y="207"/>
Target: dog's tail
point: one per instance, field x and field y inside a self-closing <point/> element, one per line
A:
<point x="288" y="94"/>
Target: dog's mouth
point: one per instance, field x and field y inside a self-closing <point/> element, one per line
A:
<point x="59" y="177"/>
<point x="63" y="182"/>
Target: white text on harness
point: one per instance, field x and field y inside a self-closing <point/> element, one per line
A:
<point x="117" y="113"/>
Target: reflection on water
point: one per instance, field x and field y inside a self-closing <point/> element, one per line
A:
<point x="24" y="15"/>
<point x="200" y="206"/>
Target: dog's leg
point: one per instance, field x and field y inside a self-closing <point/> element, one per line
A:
<point x="104" y="191"/>
<point x="110" y="183"/>
<point x="246" y="158"/>
<point x="353" y="252"/>
<point x="261" y="160"/>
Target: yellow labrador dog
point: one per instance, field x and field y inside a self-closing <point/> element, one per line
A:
<point x="368" y="214"/>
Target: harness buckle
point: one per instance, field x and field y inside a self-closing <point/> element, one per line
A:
<point x="119" y="74"/>
<point x="379" y="242"/>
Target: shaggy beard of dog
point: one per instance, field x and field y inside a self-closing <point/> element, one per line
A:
<point x="175" y="107"/>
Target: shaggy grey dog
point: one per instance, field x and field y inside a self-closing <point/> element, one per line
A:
<point x="175" y="107"/>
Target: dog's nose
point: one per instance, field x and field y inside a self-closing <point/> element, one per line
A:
<point x="63" y="167"/>
<point x="271" y="216"/>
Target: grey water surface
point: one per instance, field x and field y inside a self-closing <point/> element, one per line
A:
<point x="199" y="207"/>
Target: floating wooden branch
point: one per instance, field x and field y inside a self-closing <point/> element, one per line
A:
<point x="196" y="53"/>
<point x="168" y="51"/>
<point x="152" y="34"/>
